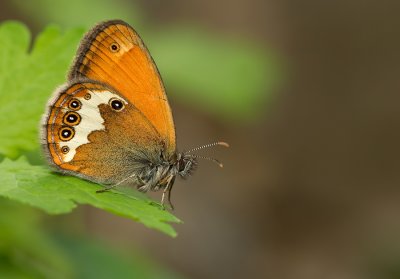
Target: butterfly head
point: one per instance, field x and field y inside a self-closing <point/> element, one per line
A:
<point x="186" y="162"/>
<point x="185" y="165"/>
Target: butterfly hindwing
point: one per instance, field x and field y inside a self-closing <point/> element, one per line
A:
<point x="92" y="131"/>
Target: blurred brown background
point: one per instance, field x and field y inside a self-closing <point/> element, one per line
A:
<point x="309" y="188"/>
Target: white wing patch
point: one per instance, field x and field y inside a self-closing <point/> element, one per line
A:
<point x="91" y="120"/>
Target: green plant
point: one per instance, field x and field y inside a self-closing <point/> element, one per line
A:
<point x="26" y="78"/>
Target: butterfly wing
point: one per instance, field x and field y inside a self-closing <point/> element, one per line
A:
<point x="94" y="132"/>
<point x="113" y="53"/>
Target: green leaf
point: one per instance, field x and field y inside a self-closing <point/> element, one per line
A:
<point x="55" y="194"/>
<point x="27" y="80"/>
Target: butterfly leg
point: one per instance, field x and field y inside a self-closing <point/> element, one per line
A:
<point x="167" y="193"/>
<point x="110" y="187"/>
<point x="107" y="188"/>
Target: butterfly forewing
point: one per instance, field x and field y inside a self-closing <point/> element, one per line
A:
<point x="113" y="53"/>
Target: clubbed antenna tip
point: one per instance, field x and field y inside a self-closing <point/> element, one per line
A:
<point x="210" y="159"/>
<point x="223" y="144"/>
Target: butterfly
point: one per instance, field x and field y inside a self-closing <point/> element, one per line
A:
<point x="111" y="123"/>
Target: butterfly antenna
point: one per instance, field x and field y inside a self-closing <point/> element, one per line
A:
<point x="208" y="158"/>
<point x="207" y="146"/>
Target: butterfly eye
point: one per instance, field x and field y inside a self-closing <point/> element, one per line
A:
<point x="72" y="118"/>
<point x="65" y="149"/>
<point x="66" y="133"/>
<point x="114" y="47"/>
<point x="116" y="104"/>
<point x="74" y="104"/>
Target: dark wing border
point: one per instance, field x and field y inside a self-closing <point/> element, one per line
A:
<point x="85" y="44"/>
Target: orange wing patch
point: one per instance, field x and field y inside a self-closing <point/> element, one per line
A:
<point x="113" y="53"/>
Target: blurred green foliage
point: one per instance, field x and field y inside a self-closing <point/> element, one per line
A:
<point x="226" y="76"/>
<point x="95" y="260"/>
<point x="27" y="251"/>
<point x="77" y="13"/>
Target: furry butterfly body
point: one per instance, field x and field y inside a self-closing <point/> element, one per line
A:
<point x="111" y="122"/>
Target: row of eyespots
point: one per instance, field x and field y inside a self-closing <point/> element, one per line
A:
<point x="71" y="118"/>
